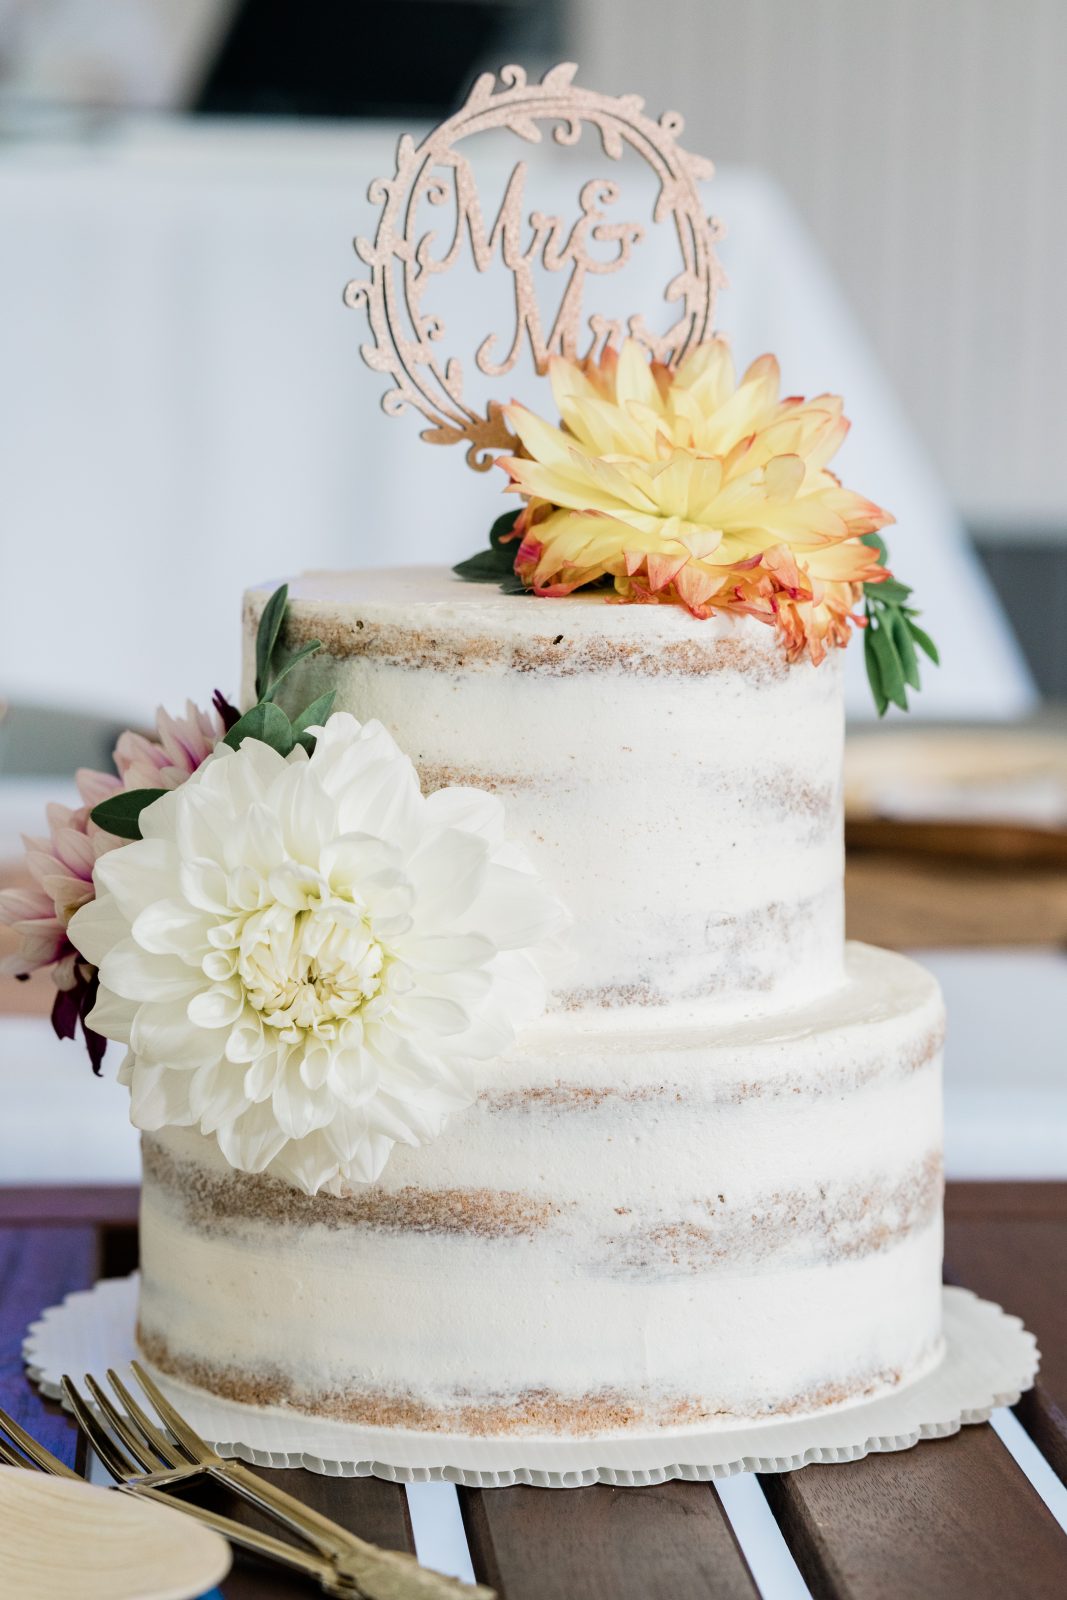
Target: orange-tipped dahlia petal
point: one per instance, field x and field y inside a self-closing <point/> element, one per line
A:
<point x="662" y="570"/>
<point x="703" y="542"/>
<point x="846" y="563"/>
<point x="696" y="587"/>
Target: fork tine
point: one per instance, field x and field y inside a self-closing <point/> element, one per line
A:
<point x="111" y="1454"/>
<point x="161" y="1443"/>
<point x="43" y="1459"/>
<point x="12" y="1458"/>
<point x="129" y="1481"/>
<point x="310" y="1525"/>
<point x="184" y="1436"/>
<point x="142" y="1453"/>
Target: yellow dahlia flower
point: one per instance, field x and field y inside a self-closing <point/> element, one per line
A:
<point x="685" y="486"/>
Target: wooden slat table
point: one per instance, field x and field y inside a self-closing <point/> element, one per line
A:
<point x="954" y="1517"/>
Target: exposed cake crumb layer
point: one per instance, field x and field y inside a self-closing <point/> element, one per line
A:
<point x="536" y="1411"/>
<point x="676" y="781"/>
<point x="630" y="1220"/>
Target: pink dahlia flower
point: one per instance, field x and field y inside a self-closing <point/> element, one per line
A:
<point x="61" y="866"/>
<point x="180" y="746"/>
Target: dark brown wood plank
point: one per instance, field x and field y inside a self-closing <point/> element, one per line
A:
<point x="952" y="1519"/>
<point x="1008" y="1242"/>
<point x="1038" y="1198"/>
<point x="368" y="1506"/>
<point x="114" y="1204"/>
<point x="668" y="1542"/>
<point x="1010" y="1245"/>
<point x="38" y="1266"/>
<point x="1046" y="1424"/>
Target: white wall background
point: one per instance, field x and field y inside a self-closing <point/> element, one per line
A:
<point x="925" y="144"/>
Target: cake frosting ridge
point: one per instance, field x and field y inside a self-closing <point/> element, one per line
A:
<point x="707" y="1185"/>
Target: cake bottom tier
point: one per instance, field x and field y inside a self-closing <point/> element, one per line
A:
<point x="627" y="1230"/>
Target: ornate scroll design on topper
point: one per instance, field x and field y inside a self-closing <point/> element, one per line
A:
<point x="402" y="265"/>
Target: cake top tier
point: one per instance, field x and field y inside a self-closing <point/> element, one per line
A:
<point x="676" y="780"/>
<point x="575" y="629"/>
<point x="410" y="612"/>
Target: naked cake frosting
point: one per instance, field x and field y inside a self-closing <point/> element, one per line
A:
<point x="707" y="1184"/>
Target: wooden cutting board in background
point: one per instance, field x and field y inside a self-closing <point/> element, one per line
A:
<point x="956" y="836"/>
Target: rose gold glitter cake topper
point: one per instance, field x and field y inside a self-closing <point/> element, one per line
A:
<point x="402" y="266"/>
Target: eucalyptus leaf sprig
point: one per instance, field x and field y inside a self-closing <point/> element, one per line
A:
<point x="892" y="637"/>
<point x="265" y="720"/>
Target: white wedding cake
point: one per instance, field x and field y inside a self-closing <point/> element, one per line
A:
<point x="501" y="1065"/>
<point x="706" y="1185"/>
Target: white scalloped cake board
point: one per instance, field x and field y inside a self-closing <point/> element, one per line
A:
<point x="989" y="1360"/>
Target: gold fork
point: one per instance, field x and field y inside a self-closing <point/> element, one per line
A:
<point x="145" y="1457"/>
<point x="20" y="1449"/>
<point x="177" y="1452"/>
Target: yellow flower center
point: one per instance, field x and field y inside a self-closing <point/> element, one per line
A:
<point x="307" y="970"/>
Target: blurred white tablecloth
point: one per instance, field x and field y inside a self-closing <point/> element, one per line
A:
<point x="185" y="411"/>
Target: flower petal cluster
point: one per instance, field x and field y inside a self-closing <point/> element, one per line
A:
<point x="181" y="745"/>
<point x="60" y="869"/>
<point x="684" y="486"/>
<point x="61" y="866"/>
<point x="307" y="957"/>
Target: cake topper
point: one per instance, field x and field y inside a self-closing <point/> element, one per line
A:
<point x="408" y="338"/>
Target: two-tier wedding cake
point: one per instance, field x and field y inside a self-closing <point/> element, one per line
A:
<point x="707" y="1185"/>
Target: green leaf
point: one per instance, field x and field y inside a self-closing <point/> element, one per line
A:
<point x="874" y="676"/>
<point x="266" y="722"/>
<point x="301" y="655"/>
<point x="513" y="584"/>
<point x="502" y="529"/>
<point x="313" y="716"/>
<point x="890" y="591"/>
<point x="270" y="626"/>
<point x="890" y="670"/>
<point x="891" y="636"/>
<point x="905" y="649"/>
<point x="121" y="815"/>
<point x="924" y="641"/>
<point x="488" y="566"/>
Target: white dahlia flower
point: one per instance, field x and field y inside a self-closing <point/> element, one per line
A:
<point x="308" y="958"/>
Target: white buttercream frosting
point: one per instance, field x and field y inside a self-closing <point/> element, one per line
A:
<point x="717" y="1222"/>
<point x="675" y="780"/>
